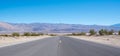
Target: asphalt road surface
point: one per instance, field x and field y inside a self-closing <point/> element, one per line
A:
<point x="59" y="46"/>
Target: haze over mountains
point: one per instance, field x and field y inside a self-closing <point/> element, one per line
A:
<point x="116" y="25"/>
<point x="52" y="28"/>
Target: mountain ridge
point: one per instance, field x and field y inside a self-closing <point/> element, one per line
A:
<point x="51" y="27"/>
<point x="116" y="25"/>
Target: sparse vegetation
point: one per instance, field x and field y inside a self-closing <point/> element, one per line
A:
<point x="106" y="32"/>
<point x="15" y="34"/>
<point x="102" y="32"/>
<point x="35" y="34"/>
<point x="92" y="32"/>
<point x="5" y="35"/>
<point x="52" y="35"/>
<point x="27" y="34"/>
<point x="118" y="32"/>
<point x="41" y="34"/>
<point x="111" y="32"/>
<point x="76" y="34"/>
<point x="82" y="33"/>
<point x="32" y="34"/>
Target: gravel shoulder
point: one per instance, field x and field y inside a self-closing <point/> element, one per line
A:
<point x="112" y="40"/>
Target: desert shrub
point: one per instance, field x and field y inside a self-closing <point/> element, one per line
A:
<point x="75" y="34"/>
<point x="52" y="34"/>
<point x="101" y="32"/>
<point x="92" y="32"/>
<point x="40" y="34"/>
<point x="118" y="32"/>
<point x="27" y="34"/>
<point x="68" y="35"/>
<point x="106" y="32"/>
<point x="34" y="34"/>
<point x="111" y="32"/>
<point x="82" y="33"/>
<point x="78" y="34"/>
<point x="15" y="34"/>
<point x="5" y="35"/>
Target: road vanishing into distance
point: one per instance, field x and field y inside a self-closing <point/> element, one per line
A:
<point x="59" y="46"/>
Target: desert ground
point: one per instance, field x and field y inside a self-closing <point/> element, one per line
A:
<point x="6" y="41"/>
<point x="112" y="40"/>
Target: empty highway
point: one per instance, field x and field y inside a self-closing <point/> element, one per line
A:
<point x="59" y="46"/>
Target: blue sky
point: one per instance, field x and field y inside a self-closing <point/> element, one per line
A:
<point x="89" y="12"/>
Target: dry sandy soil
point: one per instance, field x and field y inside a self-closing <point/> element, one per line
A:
<point x="112" y="40"/>
<point x="6" y="41"/>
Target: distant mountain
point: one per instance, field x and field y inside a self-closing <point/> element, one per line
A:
<point x="116" y="25"/>
<point x="5" y="26"/>
<point x="51" y="28"/>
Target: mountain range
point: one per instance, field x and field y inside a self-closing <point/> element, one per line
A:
<point x="116" y="25"/>
<point x="52" y="27"/>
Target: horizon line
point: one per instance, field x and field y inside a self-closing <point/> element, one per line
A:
<point x="53" y="23"/>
